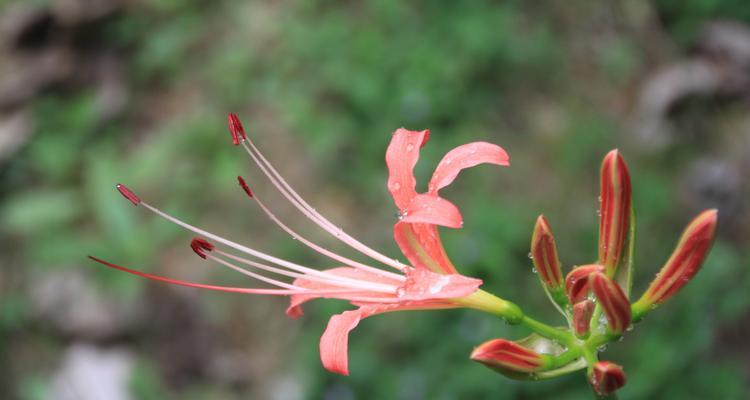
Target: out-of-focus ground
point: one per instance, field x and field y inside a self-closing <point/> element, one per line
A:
<point x="136" y="91"/>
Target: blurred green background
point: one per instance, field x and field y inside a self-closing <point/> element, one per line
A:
<point x="95" y="93"/>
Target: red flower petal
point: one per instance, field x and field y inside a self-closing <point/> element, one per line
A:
<point x="401" y="157"/>
<point x="422" y="246"/>
<point x="334" y="344"/>
<point x="465" y="156"/>
<point x="430" y="209"/>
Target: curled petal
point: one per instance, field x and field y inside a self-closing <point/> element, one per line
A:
<point x="401" y="157"/>
<point x="505" y="355"/>
<point x="607" y="377"/>
<point x="465" y="156"/>
<point x="334" y="344"/>
<point x="577" y="282"/>
<point x="421" y="244"/>
<point x="613" y="300"/>
<point x="684" y="262"/>
<point x="434" y="210"/>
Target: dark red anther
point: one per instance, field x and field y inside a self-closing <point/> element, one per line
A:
<point x="200" y="246"/>
<point x="244" y="186"/>
<point x="236" y="129"/>
<point x="128" y="194"/>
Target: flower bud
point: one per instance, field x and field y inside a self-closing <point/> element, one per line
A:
<point x="582" y="312"/>
<point x="577" y="282"/>
<point x="509" y="357"/>
<point x="615" y="212"/>
<point x="684" y="263"/>
<point x="546" y="262"/>
<point x="613" y="300"/>
<point x="606" y="378"/>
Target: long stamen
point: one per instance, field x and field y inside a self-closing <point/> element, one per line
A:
<point x="353" y="284"/>
<point x="308" y="243"/>
<point x="281" y="262"/>
<point x="251" y="274"/>
<point x="278" y="292"/>
<point x="299" y="203"/>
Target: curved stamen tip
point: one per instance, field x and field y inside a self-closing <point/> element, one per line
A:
<point x="200" y="246"/>
<point x="128" y="194"/>
<point x="236" y="129"/>
<point x="244" y="186"/>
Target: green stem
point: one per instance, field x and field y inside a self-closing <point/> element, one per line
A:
<point x="549" y="332"/>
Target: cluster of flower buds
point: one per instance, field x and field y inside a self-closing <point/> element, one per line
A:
<point x="594" y="298"/>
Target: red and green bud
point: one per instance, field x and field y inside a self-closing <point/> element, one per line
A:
<point x="509" y="357"/>
<point x="546" y="261"/>
<point x="582" y="312"/>
<point x="684" y="263"/>
<point x="577" y="282"/>
<point x="613" y="300"/>
<point x="606" y="378"/>
<point x="615" y="212"/>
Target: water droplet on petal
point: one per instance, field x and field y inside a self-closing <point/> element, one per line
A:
<point x="598" y="213"/>
<point x="448" y="161"/>
<point x="400" y="292"/>
<point x="531" y="256"/>
<point x="629" y="328"/>
<point x="437" y="286"/>
<point x="599" y="198"/>
<point x="396" y="186"/>
<point x="533" y="270"/>
<point x="409" y="147"/>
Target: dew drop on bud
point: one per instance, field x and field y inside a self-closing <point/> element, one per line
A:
<point x="601" y="348"/>
<point x="531" y="256"/>
<point x="533" y="270"/>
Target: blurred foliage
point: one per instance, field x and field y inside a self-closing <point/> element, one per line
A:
<point x="321" y="84"/>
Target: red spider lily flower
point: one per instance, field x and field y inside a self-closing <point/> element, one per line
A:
<point x="430" y="282"/>
<point x="577" y="282"/>
<point x="615" y="211"/>
<point x="684" y="263"/>
<point x="545" y="259"/>
<point x="509" y="357"/>
<point x="582" y="312"/>
<point x="607" y="377"/>
<point x="613" y="300"/>
<point x="420" y="214"/>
